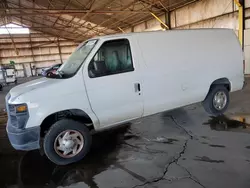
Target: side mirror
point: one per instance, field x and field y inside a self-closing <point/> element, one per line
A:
<point x="97" y="69"/>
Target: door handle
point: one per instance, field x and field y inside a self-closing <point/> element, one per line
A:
<point x="137" y="87"/>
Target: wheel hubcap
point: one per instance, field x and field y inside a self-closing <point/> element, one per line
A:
<point x="220" y="100"/>
<point x="68" y="143"/>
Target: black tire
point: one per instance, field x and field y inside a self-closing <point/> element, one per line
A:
<point x="1" y="87"/>
<point x="48" y="74"/>
<point x="55" y="130"/>
<point x="208" y="102"/>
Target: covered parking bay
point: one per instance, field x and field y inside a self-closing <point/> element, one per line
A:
<point x="180" y="148"/>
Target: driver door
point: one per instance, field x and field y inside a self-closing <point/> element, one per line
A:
<point x="113" y="84"/>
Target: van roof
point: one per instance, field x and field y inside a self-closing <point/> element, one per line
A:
<point x="155" y="32"/>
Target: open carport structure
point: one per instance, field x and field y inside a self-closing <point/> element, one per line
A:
<point x="56" y="27"/>
<point x="181" y="148"/>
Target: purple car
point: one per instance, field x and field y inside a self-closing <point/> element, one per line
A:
<point x="50" y="70"/>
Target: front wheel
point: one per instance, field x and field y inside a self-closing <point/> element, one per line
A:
<point x="67" y="141"/>
<point x="217" y="100"/>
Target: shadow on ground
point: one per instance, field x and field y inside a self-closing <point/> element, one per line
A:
<point x="32" y="169"/>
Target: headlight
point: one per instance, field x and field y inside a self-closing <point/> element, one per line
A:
<point x="18" y="115"/>
<point x="21" y="108"/>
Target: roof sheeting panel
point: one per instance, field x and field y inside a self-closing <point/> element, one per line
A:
<point x="81" y="19"/>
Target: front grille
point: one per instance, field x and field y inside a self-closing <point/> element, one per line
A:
<point x="7" y="104"/>
<point x="11" y="108"/>
<point x="15" y="120"/>
<point x="11" y="115"/>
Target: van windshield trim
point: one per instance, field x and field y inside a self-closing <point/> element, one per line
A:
<point x="69" y="68"/>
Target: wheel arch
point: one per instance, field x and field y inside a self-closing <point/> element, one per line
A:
<point x="75" y="114"/>
<point x="222" y="81"/>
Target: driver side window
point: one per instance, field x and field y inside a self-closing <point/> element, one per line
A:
<point x="113" y="57"/>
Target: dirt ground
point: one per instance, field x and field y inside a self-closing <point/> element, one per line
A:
<point x="181" y="148"/>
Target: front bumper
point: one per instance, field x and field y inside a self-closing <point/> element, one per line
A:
<point x="24" y="139"/>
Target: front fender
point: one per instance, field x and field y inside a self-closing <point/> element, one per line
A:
<point x="39" y="111"/>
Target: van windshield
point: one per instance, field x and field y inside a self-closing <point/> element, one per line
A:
<point x="76" y="59"/>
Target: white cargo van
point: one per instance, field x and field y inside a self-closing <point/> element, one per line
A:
<point x="111" y="80"/>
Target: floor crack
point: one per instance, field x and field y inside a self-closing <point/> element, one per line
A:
<point x="185" y="130"/>
<point x="191" y="176"/>
<point x="174" y="160"/>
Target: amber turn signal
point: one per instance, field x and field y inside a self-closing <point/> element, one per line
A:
<point x="21" y="108"/>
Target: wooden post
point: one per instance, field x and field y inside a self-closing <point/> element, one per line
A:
<point x="32" y="55"/>
<point x="59" y="48"/>
<point x="133" y="29"/>
<point x="24" y="70"/>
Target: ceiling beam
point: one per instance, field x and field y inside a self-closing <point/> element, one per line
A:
<point x="51" y="33"/>
<point x="50" y="4"/>
<point x="111" y="26"/>
<point x="90" y="10"/>
<point x="69" y="1"/>
<point x="181" y="4"/>
<point x="153" y="4"/>
<point x="41" y="27"/>
<point x="62" y="29"/>
<point x="176" y="4"/>
<point x="112" y="18"/>
<point x="90" y="6"/>
<point x="12" y="40"/>
<point x="75" y="24"/>
<point x="75" y="13"/>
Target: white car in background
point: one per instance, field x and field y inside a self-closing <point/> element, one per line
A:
<point x="50" y="70"/>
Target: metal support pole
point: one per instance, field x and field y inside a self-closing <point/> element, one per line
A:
<point x="159" y="20"/>
<point x="241" y="21"/>
<point x="168" y="19"/>
<point x="244" y="21"/>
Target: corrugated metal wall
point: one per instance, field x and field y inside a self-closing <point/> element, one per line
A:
<point x="35" y="51"/>
<point x="202" y="14"/>
<point x="205" y="14"/>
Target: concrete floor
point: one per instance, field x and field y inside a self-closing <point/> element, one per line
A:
<point x="181" y="148"/>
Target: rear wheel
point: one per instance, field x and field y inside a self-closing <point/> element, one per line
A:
<point x="217" y="100"/>
<point x="67" y="141"/>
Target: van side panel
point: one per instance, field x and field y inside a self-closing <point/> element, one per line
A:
<point x="178" y="67"/>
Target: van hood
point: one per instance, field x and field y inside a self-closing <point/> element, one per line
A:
<point x="32" y="85"/>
